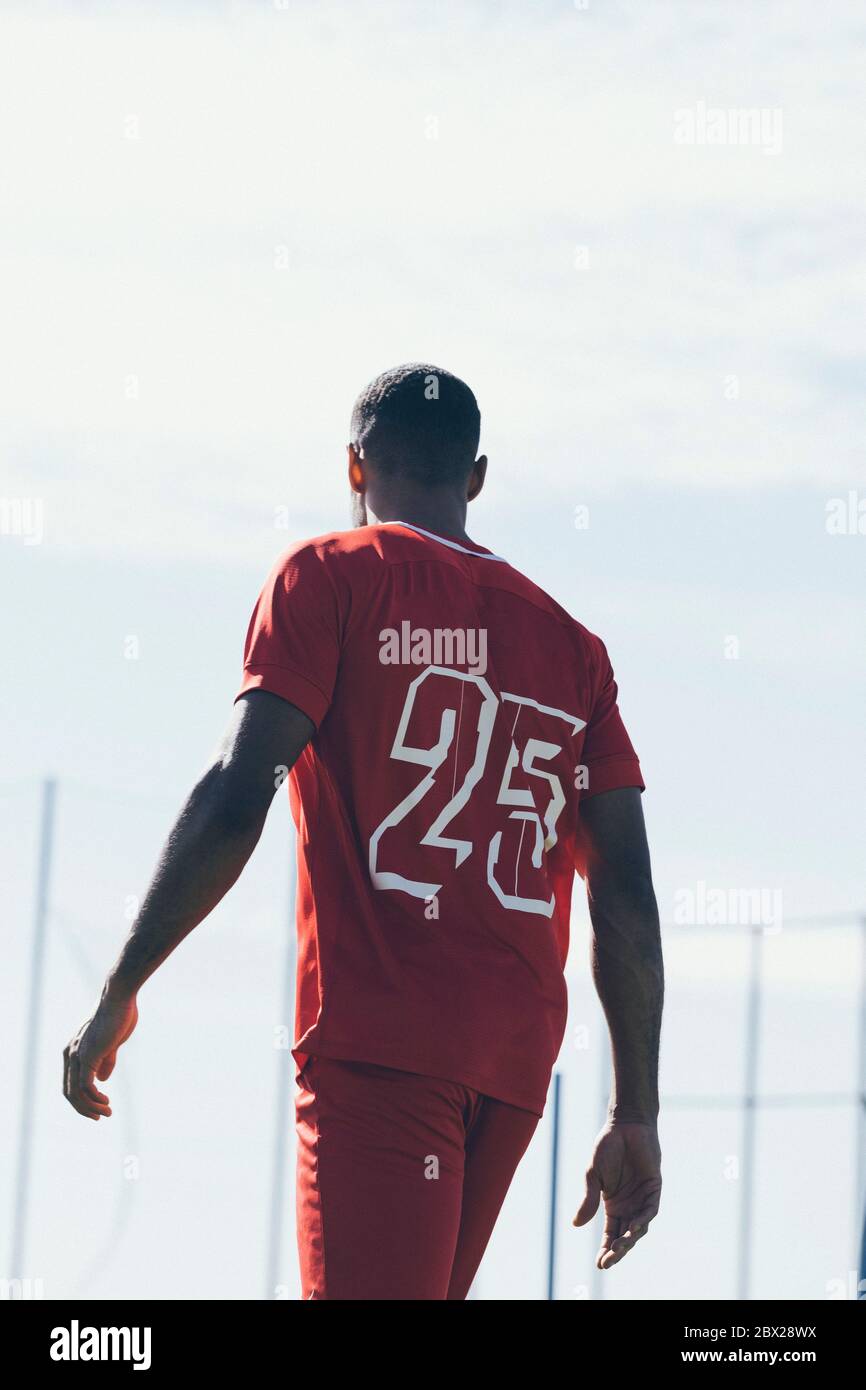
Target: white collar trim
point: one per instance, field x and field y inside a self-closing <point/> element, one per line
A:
<point x="452" y="545"/>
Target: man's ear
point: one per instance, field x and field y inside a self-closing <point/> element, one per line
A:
<point x="476" y="478"/>
<point x="357" y="471"/>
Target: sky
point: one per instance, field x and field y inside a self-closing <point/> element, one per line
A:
<point x="636" y="230"/>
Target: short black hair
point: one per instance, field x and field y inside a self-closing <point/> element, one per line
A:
<point x="420" y="422"/>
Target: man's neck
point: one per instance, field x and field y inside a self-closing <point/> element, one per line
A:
<point x="444" y="518"/>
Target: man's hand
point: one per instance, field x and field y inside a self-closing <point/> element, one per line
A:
<point x="93" y="1052"/>
<point x="625" y="1171"/>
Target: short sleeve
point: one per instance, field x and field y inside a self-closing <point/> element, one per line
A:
<point x="608" y="755"/>
<point x="294" y="636"/>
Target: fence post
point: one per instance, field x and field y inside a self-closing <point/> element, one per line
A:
<point x="29" y="1081"/>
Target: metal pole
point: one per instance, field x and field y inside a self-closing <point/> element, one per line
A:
<point x="860" y="1169"/>
<point x="284" y="1077"/>
<point x="750" y="1087"/>
<point x="29" y="1085"/>
<point x="554" y="1176"/>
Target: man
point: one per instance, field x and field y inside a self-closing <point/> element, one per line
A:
<point x="455" y="750"/>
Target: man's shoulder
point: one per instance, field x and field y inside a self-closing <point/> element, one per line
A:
<point x="520" y="584"/>
<point x="332" y="551"/>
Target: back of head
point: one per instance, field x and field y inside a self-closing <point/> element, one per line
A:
<point x="418" y="422"/>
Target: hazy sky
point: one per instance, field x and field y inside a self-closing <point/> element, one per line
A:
<point x="637" y="231"/>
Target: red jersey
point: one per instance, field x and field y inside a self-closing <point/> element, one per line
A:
<point x="460" y="716"/>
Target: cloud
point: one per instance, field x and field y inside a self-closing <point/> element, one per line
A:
<point x="220" y="226"/>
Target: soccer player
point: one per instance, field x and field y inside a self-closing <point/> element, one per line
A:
<point x="455" y="751"/>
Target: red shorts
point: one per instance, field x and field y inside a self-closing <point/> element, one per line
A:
<point x="400" y="1180"/>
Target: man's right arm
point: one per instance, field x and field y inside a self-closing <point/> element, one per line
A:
<point x="210" y="842"/>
